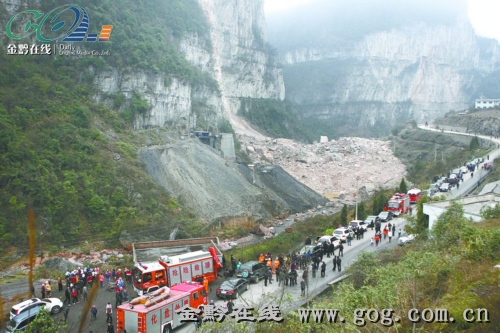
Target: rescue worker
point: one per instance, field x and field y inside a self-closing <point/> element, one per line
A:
<point x="205" y="285"/>
<point x="261" y="258"/>
<point x="276" y="264"/>
<point x="269" y="263"/>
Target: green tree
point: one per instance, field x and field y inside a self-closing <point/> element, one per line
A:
<point x="420" y="224"/>
<point x="362" y="268"/>
<point x="43" y="323"/>
<point x="451" y="227"/>
<point x="403" y="188"/>
<point x="361" y="211"/>
<point x="474" y="143"/>
<point x="343" y="215"/>
<point x="375" y="209"/>
<point x="378" y="202"/>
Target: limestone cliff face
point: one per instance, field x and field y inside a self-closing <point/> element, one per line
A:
<point x="236" y="57"/>
<point x="242" y="63"/>
<point x="418" y="71"/>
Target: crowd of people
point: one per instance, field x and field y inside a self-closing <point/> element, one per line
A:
<point x="76" y="285"/>
<point x="285" y="269"/>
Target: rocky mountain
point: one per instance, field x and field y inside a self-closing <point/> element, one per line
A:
<point x="485" y="122"/>
<point x="366" y="67"/>
<point x="233" y="53"/>
<point x="72" y="121"/>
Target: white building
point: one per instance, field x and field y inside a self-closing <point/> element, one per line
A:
<point x="471" y="205"/>
<point x="483" y="103"/>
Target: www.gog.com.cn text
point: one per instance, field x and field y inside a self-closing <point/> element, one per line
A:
<point x="387" y="317"/>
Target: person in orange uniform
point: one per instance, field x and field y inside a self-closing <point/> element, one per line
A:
<point x="205" y="284"/>
<point x="276" y="264"/>
<point x="269" y="263"/>
<point x="261" y="258"/>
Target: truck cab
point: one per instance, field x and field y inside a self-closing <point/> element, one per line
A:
<point x="148" y="277"/>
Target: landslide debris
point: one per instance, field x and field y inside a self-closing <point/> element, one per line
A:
<point x="220" y="189"/>
<point x="331" y="167"/>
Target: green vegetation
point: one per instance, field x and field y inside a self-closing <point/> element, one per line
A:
<point x="420" y="224"/>
<point x="453" y="270"/>
<point x="403" y="188"/>
<point x="474" y="143"/>
<point x="43" y="323"/>
<point x="379" y="200"/>
<point x="315" y="226"/>
<point x="56" y="156"/>
<point x="343" y="215"/>
<point x="145" y="35"/>
<point x="275" y="118"/>
<point x="428" y="154"/>
<point x="361" y="211"/>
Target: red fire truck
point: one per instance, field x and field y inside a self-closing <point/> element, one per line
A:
<point x="155" y="312"/>
<point x="415" y="195"/>
<point x="172" y="270"/>
<point x="398" y="204"/>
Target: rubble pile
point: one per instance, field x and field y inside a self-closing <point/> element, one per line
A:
<point x="332" y="167"/>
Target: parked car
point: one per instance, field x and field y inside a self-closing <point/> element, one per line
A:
<point x="358" y="224"/>
<point x="232" y="288"/>
<point x="307" y="248"/>
<point x="370" y="221"/>
<point x="328" y="240"/>
<point x="445" y="187"/>
<point x="464" y="169"/>
<point x="252" y="270"/>
<point x="20" y="322"/>
<point x="341" y="234"/>
<point x="52" y="305"/>
<point x="406" y="240"/>
<point x="385" y="216"/>
<point x="317" y="251"/>
<point x="433" y="188"/>
<point x="456" y="172"/>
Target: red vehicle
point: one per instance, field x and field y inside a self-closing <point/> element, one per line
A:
<point x="398" y="204"/>
<point x="170" y="271"/>
<point x="155" y="312"/>
<point x="415" y="195"/>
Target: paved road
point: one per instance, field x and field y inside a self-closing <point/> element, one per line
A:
<point x="258" y="294"/>
<point x="469" y="183"/>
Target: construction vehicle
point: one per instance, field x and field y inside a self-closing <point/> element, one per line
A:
<point x="398" y="204"/>
<point x="156" y="265"/>
<point x="156" y="312"/>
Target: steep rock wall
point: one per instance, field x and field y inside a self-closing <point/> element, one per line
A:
<point x="236" y="57"/>
<point x="418" y="71"/>
<point x="243" y="64"/>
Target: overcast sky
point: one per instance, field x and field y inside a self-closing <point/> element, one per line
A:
<point x="484" y="14"/>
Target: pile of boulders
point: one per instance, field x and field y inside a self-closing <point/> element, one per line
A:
<point x="332" y="168"/>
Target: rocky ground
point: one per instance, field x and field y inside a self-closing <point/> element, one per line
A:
<point x="331" y="167"/>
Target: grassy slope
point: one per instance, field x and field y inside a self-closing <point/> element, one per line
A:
<point x="54" y="156"/>
<point x="55" y="151"/>
<point x="416" y="149"/>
